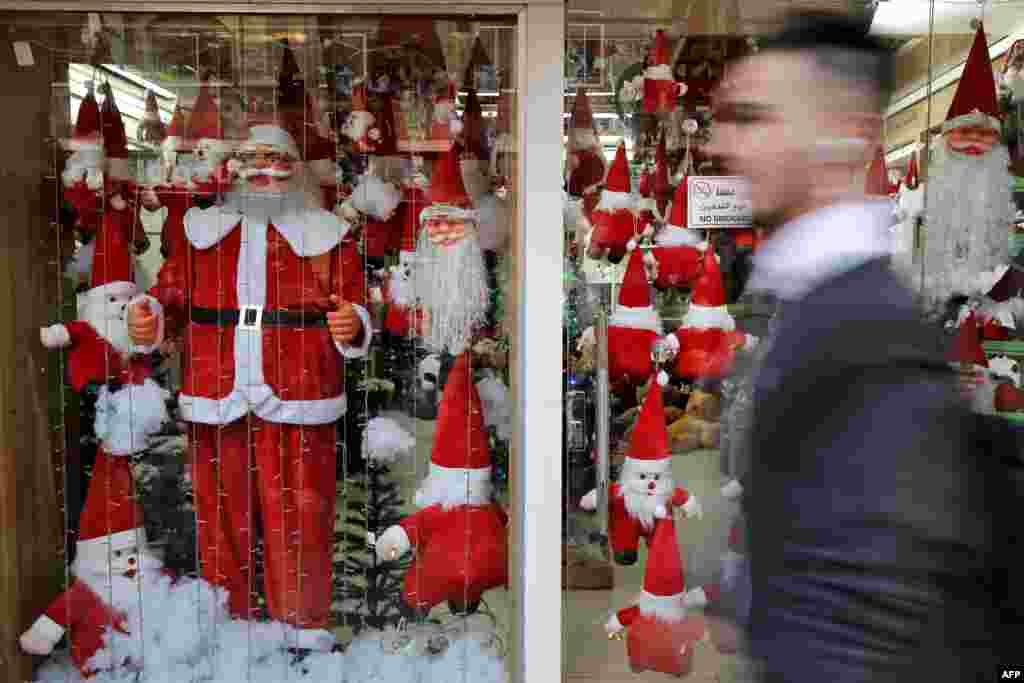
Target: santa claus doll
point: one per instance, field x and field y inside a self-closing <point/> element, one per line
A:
<point x="970" y="205"/>
<point x="360" y="126"/>
<point x="679" y="251"/>
<point x="660" y="87"/>
<point x="616" y="223"/>
<point x="113" y="571"/>
<point x="707" y="340"/>
<point x="403" y="316"/>
<point x="662" y="634"/>
<point x="451" y="276"/>
<point x="585" y="162"/>
<point x="909" y="208"/>
<point x="271" y="287"/>
<point x="632" y="328"/>
<point x="645" y="490"/>
<point x="655" y="200"/>
<point x="459" y="534"/>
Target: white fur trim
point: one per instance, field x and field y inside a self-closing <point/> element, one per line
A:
<point x="158" y="311"/>
<point x="628" y="462"/>
<point x="116" y="289"/>
<point x="125" y="419"/>
<point x="589" y="501"/>
<point x="271" y="136"/>
<point x="96" y="552"/>
<point x="396" y="537"/>
<point x="708" y="317"/>
<point x="659" y="72"/>
<point x="455" y="486"/>
<point x="315" y="639"/>
<point x="55" y="336"/>
<point x="206" y="227"/>
<point x="309" y="232"/>
<point x="47" y="629"/>
<point x="613" y="201"/>
<point x="1002" y="366"/>
<point x="675" y="236"/>
<point x="669" y="608"/>
<point x="636" y="318"/>
<point x="364" y="348"/>
<point x="451" y="212"/>
<point x="375" y="197"/>
<point x="974" y="118"/>
<point x="613" y="625"/>
<point x="385" y="440"/>
<point x="732" y="490"/>
<point x="84" y="145"/>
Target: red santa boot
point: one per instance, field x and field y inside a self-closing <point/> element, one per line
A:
<point x="615" y="223"/>
<point x="662" y="635"/>
<point x="585" y="166"/>
<point x="459" y="535"/>
<point x="660" y="87"/>
<point x="451" y="274"/>
<point x="645" y="490"/>
<point x="679" y="250"/>
<point x="113" y="571"/>
<point x="708" y="339"/>
<point x="633" y="327"/>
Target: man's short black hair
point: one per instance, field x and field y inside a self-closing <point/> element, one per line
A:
<point x="839" y="43"/>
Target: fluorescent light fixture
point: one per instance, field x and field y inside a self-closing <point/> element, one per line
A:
<point x="599" y="115"/>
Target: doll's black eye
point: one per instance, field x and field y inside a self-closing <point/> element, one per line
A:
<point x="643" y="476"/>
<point x="117" y="553"/>
<point x="656" y="477"/>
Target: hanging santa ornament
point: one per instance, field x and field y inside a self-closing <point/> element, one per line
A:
<point x="678" y="250"/>
<point x="210" y="149"/>
<point x="475" y="156"/>
<point x="459" y="534"/>
<point x="615" y="223"/>
<point x="113" y="569"/>
<point x="152" y="130"/>
<point x="177" y="142"/>
<point x="660" y="87"/>
<point x="451" y="275"/>
<point x="119" y="178"/>
<point x="359" y="126"/>
<point x="708" y="338"/>
<point x="970" y="200"/>
<point x="377" y="196"/>
<point x="662" y="635"/>
<point x="174" y="191"/>
<point x="686" y="164"/>
<point x="634" y="325"/>
<point x="83" y="175"/>
<point x="585" y="162"/>
<point x="655" y="189"/>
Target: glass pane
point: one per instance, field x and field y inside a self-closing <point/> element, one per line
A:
<point x="284" y="337"/>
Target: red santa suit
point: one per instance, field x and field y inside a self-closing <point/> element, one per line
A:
<point x="112" y="542"/>
<point x="662" y="635"/>
<point x="708" y="339"/>
<point x="633" y="327"/>
<point x="679" y="251"/>
<point x="615" y="222"/>
<point x="263" y="384"/>
<point x="459" y="535"/>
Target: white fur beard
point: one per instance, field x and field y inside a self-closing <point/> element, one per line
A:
<point x="452" y="284"/>
<point x="641" y="506"/>
<point x="401" y="289"/>
<point x="452" y="492"/>
<point x="968" y="214"/>
<point x="125" y="419"/>
<point x="668" y="609"/>
<point x="357" y="125"/>
<point x="376" y="198"/>
<point x="113" y="328"/>
<point x="119" y="591"/>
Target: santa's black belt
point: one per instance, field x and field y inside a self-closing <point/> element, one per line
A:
<point x="255" y="316"/>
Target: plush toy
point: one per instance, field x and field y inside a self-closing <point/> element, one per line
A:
<point x="662" y="634"/>
<point x="616" y="223"/>
<point x="645" y="489"/>
<point x="633" y="327"/>
<point x="699" y="425"/>
<point x="678" y="250"/>
<point x="459" y="534"/>
<point x="113" y="568"/>
<point x="660" y="87"/>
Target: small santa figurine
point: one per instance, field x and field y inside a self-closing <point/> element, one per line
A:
<point x="633" y="327"/>
<point x="616" y="223"/>
<point x="660" y="87"/>
<point x="359" y="126"/>
<point x="707" y="341"/>
<point x="210" y="176"/>
<point x="585" y="166"/>
<point x="662" y="635"/>
<point x="679" y="251"/>
<point x="403" y="317"/>
<point x="451" y="275"/>
<point x="459" y="535"/>
<point x="646" y="490"/>
<point x="113" y="571"/>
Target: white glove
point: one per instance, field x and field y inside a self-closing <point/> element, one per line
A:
<point x="614" y="626"/>
<point x="41" y="637"/>
<point x="692" y="508"/>
<point x="54" y="336"/>
<point x="589" y="501"/>
<point x="661" y="512"/>
<point x="392" y="544"/>
<point x="732" y="490"/>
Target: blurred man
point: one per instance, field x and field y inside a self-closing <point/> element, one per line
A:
<point x="868" y="533"/>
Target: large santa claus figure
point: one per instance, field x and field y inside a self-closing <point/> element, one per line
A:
<point x="970" y="206"/>
<point x="662" y="635"/>
<point x="459" y="534"/>
<point x="113" y="571"/>
<point x="451" y="277"/>
<point x="645" y="490"/>
<point x="270" y="293"/>
<point x="615" y="218"/>
<point x="585" y="162"/>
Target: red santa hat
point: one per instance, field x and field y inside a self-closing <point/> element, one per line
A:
<point x="707" y="304"/>
<point x="635" y="310"/>
<point x="707" y="338"/>
<point x="112" y="262"/>
<point x="619" y="180"/>
<point x="367" y="142"/>
<point x="676" y="231"/>
<point x="587" y="169"/>
<point x="975" y="102"/>
<point x="967" y="350"/>
<point x="177" y="132"/>
<point x="115" y="139"/>
<point x="660" y="88"/>
<point x="650" y="440"/>
<point x="460" y="453"/>
<point x="111" y="518"/>
<point x="152" y="130"/>
<point x="910" y="180"/>
<point x="663" y="574"/>
<point x="448" y="196"/>
<point x="88" y="133"/>
<point x="204" y="123"/>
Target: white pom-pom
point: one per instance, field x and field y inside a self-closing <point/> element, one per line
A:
<point x="690" y="126"/>
<point x="631" y="245"/>
<point x="386" y="439"/>
<point x="662" y="378"/>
